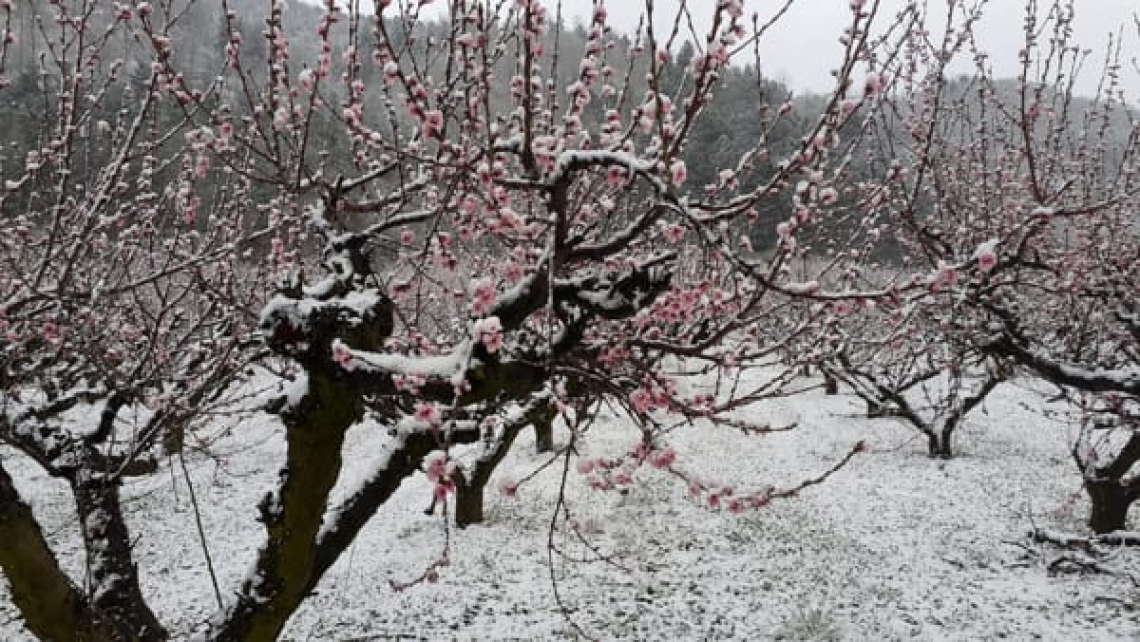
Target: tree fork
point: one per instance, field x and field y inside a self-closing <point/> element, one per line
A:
<point x="52" y="606"/>
<point x="114" y="574"/>
<point x="315" y="431"/>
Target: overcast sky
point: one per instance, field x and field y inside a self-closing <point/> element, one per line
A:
<point x="804" y="47"/>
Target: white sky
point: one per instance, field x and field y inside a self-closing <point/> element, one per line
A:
<point x="804" y="47"/>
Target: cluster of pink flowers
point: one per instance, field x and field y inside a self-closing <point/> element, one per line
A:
<point x="604" y="473"/>
<point x="408" y="383"/>
<point x="428" y="414"/>
<point x="946" y="276"/>
<point x="648" y="399"/>
<point x="489" y="332"/>
<point x="342" y="356"/>
<point x="986" y="255"/>
<point x="440" y="470"/>
<point x="724" y="497"/>
<point x="678" y="173"/>
<point x="483" y="297"/>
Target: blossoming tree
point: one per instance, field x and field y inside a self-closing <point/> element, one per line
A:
<point x="124" y="305"/>
<point x="1016" y="203"/>
<point x="469" y="234"/>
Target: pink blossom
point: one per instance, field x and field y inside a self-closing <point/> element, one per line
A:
<point x="678" y="172"/>
<point x="947" y="275"/>
<point x="489" y="332"/>
<point x="437" y="467"/>
<point x="432" y="123"/>
<point x="642" y="401"/>
<point x="342" y="355"/>
<point x="442" y="490"/>
<point x="281" y="117"/>
<point x="407" y="236"/>
<point x="483" y="297"/>
<point x="508" y="487"/>
<point x="663" y="459"/>
<point x="986" y="255"/>
<point x="391" y="72"/>
<point x="428" y="414"/>
<point x="51" y="333"/>
<point x="617" y="176"/>
<point x="585" y="466"/>
<point x="873" y="85"/>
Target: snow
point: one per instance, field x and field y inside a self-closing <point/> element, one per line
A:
<point x="442" y="366"/>
<point x="299" y="311"/>
<point x="895" y="546"/>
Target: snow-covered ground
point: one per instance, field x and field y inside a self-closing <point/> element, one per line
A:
<point x="894" y="546"/>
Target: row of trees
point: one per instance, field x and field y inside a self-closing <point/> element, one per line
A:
<point x="440" y="228"/>
<point x="1022" y="201"/>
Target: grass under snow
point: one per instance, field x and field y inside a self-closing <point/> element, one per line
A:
<point x="894" y="547"/>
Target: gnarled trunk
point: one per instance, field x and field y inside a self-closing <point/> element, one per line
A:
<point x="315" y="431"/>
<point x="53" y="608"/>
<point x="470" y="487"/>
<point x="110" y="562"/>
<point x="830" y="384"/>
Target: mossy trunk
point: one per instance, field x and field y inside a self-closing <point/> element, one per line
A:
<point x="315" y="431"/>
<point x="114" y="574"/>
<point x="53" y="608"/>
<point x="1110" y="502"/>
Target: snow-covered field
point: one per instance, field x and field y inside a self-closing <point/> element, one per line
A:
<point x="894" y="546"/>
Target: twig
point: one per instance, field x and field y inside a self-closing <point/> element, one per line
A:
<point x="201" y="531"/>
<point x="1119" y="538"/>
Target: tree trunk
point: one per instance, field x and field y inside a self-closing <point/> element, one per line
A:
<point x="110" y="561"/>
<point x="469" y="487"/>
<point x="293" y="515"/>
<point x="938" y="444"/>
<point x="469" y="504"/>
<point x="1110" y="501"/>
<point x="53" y="608"/>
<point x="830" y="385"/>
<point x="543" y="420"/>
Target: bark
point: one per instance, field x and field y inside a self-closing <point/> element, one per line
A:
<point x="469" y="504"/>
<point x="470" y="487"/>
<point x="543" y="421"/>
<point x="1110" y="502"/>
<point x="110" y="562"/>
<point x="315" y="432"/>
<point x="830" y="385"/>
<point x="52" y="606"/>
<point x="938" y="444"/>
